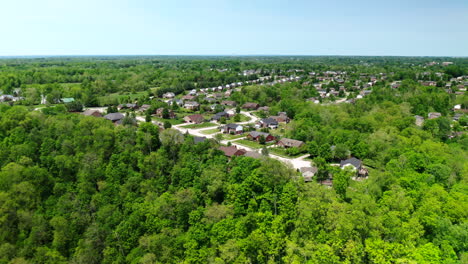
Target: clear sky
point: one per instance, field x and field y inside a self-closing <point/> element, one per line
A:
<point x="234" y="27"/>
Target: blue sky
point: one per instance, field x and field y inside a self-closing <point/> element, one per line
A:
<point x="234" y="27"/>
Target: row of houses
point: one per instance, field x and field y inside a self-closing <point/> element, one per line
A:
<point x="354" y="164"/>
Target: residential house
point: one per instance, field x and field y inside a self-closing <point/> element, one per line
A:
<point x="264" y="109"/>
<point x="189" y="97"/>
<point x="175" y="101"/>
<point x="433" y="115"/>
<point x="144" y="108"/>
<point x="267" y="122"/>
<point x="219" y="115"/>
<point x="232" y="151"/>
<point x="355" y="164"/>
<point x="210" y="100"/>
<point x="290" y="143"/>
<point x="229" y="103"/>
<point x="281" y="117"/>
<point x="191" y="105"/>
<point x="419" y="120"/>
<point x="160" y="113"/>
<point x="255" y="135"/>
<point x="308" y="173"/>
<point x="194" y="119"/>
<point x="218" y="96"/>
<point x="232" y="129"/>
<point x="251" y="106"/>
<point x="127" y="106"/>
<point x="92" y="112"/>
<point x="169" y="95"/>
<point x="114" y="117"/>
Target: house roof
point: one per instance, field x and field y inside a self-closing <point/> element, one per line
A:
<point x="269" y="121"/>
<point x="291" y="142"/>
<point x="232" y="151"/>
<point x="196" y="117"/>
<point x="114" y="116"/>
<point x="89" y="112"/>
<point x="250" y="105"/>
<point x="256" y="134"/>
<point x="353" y="161"/>
<point x="309" y="169"/>
<point x="232" y="126"/>
<point x="191" y="103"/>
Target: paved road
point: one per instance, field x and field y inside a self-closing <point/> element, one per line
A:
<point x="295" y="163"/>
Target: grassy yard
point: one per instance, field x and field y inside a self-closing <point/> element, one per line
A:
<point x="202" y="125"/>
<point x="209" y="131"/>
<point x="248" y="143"/>
<point x="282" y="153"/>
<point x="244" y="118"/>
<point x="231" y="137"/>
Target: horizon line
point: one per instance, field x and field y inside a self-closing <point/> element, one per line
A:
<point x="224" y="55"/>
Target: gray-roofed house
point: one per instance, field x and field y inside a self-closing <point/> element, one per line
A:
<point x="268" y="122"/>
<point x="433" y="115"/>
<point x="92" y="112"/>
<point x="354" y="162"/>
<point x="308" y="173"/>
<point x="191" y="105"/>
<point x="419" y="120"/>
<point x="114" y="117"/>
<point x="218" y="116"/>
<point x="233" y="129"/>
<point x="290" y="143"/>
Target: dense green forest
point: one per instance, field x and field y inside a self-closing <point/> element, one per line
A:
<point x="79" y="189"/>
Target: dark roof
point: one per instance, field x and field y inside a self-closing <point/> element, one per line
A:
<point x="114" y="116"/>
<point x="291" y="142"/>
<point x="232" y="126"/>
<point x="269" y="121"/>
<point x="256" y="134"/>
<point x="218" y="116"/>
<point x="353" y="161"/>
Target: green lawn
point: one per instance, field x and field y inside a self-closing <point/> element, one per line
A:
<point x="209" y="131"/>
<point x="248" y="143"/>
<point x="244" y="118"/>
<point x="231" y="137"/>
<point x="202" y="125"/>
<point x="282" y="153"/>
